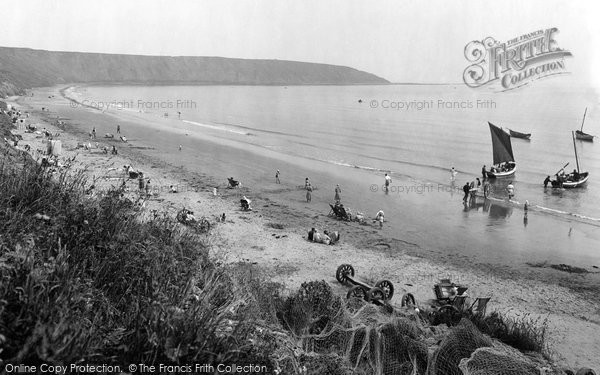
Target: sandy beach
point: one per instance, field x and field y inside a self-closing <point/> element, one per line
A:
<point x="272" y="237"/>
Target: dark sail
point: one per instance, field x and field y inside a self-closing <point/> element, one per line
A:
<point x="501" y="145"/>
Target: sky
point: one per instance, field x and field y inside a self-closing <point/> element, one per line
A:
<point x="401" y="40"/>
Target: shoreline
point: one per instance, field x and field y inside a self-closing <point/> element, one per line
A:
<point x="291" y="259"/>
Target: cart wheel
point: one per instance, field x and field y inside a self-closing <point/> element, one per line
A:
<point x="432" y="316"/>
<point x="204" y="226"/>
<point x="375" y="293"/>
<point x="449" y="315"/>
<point x="357" y="291"/>
<point x="343" y="271"/>
<point x="387" y="287"/>
<point x="585" y="371"/>
<point x="408" y="300"/>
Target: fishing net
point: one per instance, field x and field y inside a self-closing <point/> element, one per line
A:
<point x="373" y="342"/>
<point x="460" y="343"/>
<point x="497" y="361"/>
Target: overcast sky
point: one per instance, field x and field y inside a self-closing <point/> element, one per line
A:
<point x="402" y="41"/>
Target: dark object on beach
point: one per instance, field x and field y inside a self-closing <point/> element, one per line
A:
<point x="245" y="204"/>
<point x="339" y="211"/>
<point x="449" y="304"/>
<point x="579" y="134"/>
<point x="568" y="268"/>
<point x="136" y="174"/>
<point x="233" y="183"/>
<point x="380" y="294"/>
<point x="516" y="134"/>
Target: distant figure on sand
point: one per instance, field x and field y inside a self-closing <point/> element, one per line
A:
<point x="510" y="189"/>
<point x="388" y="181"/>
<point x="180" y="147"/>
<point x="277" y="177"/>
<point x="148" y="187"/>
<point x="483" y="172"/>
<point x="306" y="183"/>
<point x="94" y="132"/>
<point x="453" y="174"/>
<point x="308" y="191"/>
<point x="379" y="218"/>
<point x="118" y="129"/>
<point x="141" y="183"/>
<point x="338" y="191"/>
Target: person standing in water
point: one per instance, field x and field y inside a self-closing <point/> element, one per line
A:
<point x="277" y="181"/>
<point x="453" y="174"/>
<point x="308" y="191"/>
<point x="466" y="190"/>
<point x="338" y="191"/>
<point x="510" y="189"/>
<point x="388" y="181"/>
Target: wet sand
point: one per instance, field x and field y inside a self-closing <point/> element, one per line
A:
<point x="569" y="300"/>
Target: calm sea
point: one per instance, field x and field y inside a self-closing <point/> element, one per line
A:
<point x="352" y="135"/>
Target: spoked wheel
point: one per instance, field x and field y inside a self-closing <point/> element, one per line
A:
<point x="204" y="226"/>
<point x="408" y="300"/>
<point x="357" y="292"/>
<point x="449" y="315"/>
<point x="585" y="371"/>
<point x="343" y="271"/>
<point x="387" y="287"/>
<point x="375" y="294"/>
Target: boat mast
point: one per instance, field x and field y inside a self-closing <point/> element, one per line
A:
<point x="584" y="113"/>
<point x="575" y="148"/>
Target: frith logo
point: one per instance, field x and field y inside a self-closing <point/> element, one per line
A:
<point x="506" y="66"/>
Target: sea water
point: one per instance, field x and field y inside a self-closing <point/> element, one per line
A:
<point x="353" y="135"/>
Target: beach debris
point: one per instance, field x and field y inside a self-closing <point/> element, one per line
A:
<point x="379" y="294"/>
<point x="233" y="183"/>
<point x="109" y="135"/>
<point x="568" y="268"/>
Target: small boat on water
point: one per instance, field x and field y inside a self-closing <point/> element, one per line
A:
<point x="572" y="180"/>
<point x="516" y="134"/>
<point x="579" y="134"/>
<point x="504" y="161"/>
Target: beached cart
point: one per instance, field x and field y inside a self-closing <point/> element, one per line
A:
<point x="382" y="291"/>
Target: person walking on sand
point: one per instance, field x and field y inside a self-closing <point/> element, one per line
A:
<point x="94" y="132"/>
<point x="510" y="189"/>
<point x="388" y="181"/>
<point x="180" y="147"/>
<point x="141" y="183"/>
<point x="338" y="191"/>
<point x="118" y="129"/>
<point x="483" y="172"/>
<point x="379" y="218"/>
<point x="308" y="191"/>
<point x="277" y="177"/>
<point x="148" y="188"/>
<point x="306" y="183"/>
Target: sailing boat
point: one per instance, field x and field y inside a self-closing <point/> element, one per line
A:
<point x="581" y="135"/>
<point x="573" y="179"/>
<point x="504" y="161"/>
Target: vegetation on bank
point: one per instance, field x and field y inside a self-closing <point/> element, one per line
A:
<point x="89" y="280"/>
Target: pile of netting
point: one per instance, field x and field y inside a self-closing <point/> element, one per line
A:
<point x="337" y="337"/>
